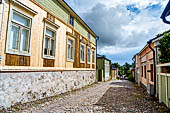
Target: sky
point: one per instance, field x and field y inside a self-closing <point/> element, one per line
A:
<point x="124" y="26"/>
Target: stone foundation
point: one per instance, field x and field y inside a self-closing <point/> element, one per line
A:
<point x="30" y="86"/>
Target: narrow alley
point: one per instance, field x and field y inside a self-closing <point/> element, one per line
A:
<point x="112" y="96"/>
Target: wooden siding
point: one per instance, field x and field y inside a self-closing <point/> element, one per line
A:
<point x="81" y="29"/>
<point x="56" y="8"/>
<point x="35" y="59"/>
<point x="48" y="63"/>
<point x="16" y="60"/>
<point x="93" y="66"/>
<point x="76" y="63"/>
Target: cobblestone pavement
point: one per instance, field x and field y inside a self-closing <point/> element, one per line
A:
<point x="113" y="96"/>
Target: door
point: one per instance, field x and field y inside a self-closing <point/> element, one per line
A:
<point x="100" y="76"/>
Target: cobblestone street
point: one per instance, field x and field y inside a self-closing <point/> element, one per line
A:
<point x="113" y="96"/>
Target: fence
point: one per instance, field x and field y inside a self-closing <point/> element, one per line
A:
<point x="163" y="83"/>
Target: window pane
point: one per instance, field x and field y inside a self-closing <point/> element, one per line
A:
<point x="88" y="55"/>
<point x="52" y="48"/>
<point x="49" y="33"/>
<point x="72" y="54"/>
<point x="46" y="46"/>
<point x="24" y="40"/>
<point x="93" y="57"/>
<point x="71" y="22"/>
<point x="14" y="37"/>
<point x="21" y="20"/>
<point x="89" y="35"/>
<point x="70" y="42"/>
<point x="82" y="53"/>
<point x="68" y="52"/>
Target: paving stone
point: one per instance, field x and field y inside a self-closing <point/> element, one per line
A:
<point x="108" y="97"/>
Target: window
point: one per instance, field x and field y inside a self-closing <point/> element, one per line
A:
<point x="145" y="70"/>
<point x="49" y="42"/>
<point x="71" y="21"/>
<point x="151" y="72"/>
<point x="70" y="50"/>
<point x="142" y="70"/>
<point x="93" y="57"/>
<point x="82" y="53"/>
<point x="20" y="30"/>
<point x="88" y="35"/>
<point x="88" y="55"/>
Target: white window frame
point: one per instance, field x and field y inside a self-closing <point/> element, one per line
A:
<point x="93" y="56"/>
<point x="53" y="29"/>
<point x="12" y="22"/>
<point x="88" y="62"/>
<point x="70" y="59"/>
<point x="82" y="61"/>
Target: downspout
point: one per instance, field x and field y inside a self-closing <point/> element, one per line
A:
<point x="154" y="62"/>
<point x="97" y="38"/>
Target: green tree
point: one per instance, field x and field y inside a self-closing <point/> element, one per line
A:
<point x="164" y="47"/>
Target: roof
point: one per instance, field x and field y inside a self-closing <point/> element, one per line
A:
<point x="102" y="56"/>
<point x="76" y="15"/>
<point x="155" y="39"/>
<point x="166" y="13"/>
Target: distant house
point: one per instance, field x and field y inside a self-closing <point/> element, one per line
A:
<point x="166" y="13"/>
<point x="114" y="71"/>
<point x="136" y="69"/>
<point x="103" y="68"/>
<point x="145" y="64"/>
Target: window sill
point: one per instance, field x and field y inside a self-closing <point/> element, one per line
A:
<point x="70" y="60"/>
<point x="18" y="53"/>
<point x="48" y="57"/>
<point x="88" y="63"/>
<point x="82" y="62"/>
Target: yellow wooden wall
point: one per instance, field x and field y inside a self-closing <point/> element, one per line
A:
<point x="37" y="37"/>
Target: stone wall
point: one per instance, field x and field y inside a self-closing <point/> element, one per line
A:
<point x="31" y="86"/>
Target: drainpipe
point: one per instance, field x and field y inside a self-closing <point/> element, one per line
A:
<point x="154" y="62"/>
<point x="97" y="38"/>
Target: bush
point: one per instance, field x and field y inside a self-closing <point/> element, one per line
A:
<point x="164" y="47"/>
<point x="130" y="78"/>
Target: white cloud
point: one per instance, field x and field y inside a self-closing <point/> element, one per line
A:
<point x="112" y="50"/>
<point x="119" y="31"/>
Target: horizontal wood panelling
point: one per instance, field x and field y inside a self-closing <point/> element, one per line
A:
<point x="93" y="66"/>
<point x="16" y="60"/>
<point x="48" y="63"/>
<point x="82" y="65"/>
<point x="88" y="66"/>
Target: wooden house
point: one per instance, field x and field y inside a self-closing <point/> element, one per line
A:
<point x="114" y="71"/>
<point x="103" y="68"/>
<point x="45" y="48"/>
<point x="148" y="58"/>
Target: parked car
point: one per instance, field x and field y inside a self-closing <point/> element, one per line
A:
<point x="126" y="78"/>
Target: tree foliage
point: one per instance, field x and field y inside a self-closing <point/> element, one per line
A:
<point x="164" y="48"/>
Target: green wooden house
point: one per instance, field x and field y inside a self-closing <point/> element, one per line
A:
<point x="103" y="68"/>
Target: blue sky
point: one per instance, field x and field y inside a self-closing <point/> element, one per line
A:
<point x="124" y="26"/>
